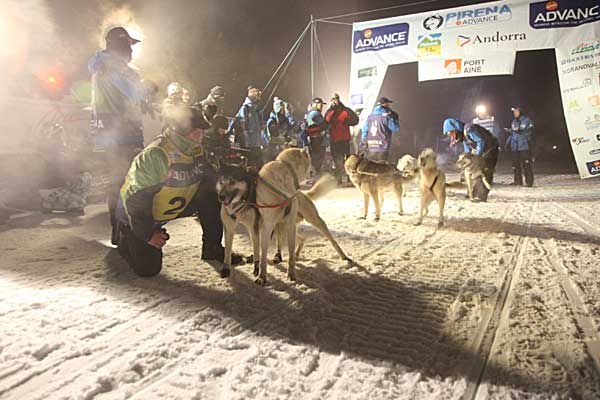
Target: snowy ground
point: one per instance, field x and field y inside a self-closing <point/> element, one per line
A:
<point x="503" y="302"/>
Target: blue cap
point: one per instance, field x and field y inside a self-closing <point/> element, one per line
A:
<point x="452" y="124"/>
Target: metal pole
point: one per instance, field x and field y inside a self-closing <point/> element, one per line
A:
<point x="312" y="57"/>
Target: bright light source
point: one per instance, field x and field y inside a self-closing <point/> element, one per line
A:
<point x="51" y="79"/>
<point x="481" y="109"/>
<point x="135" y="33"/>
<point x="554" y="147"/>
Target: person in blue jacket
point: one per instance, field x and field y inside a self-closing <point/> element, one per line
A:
<point x="247" y="126"/>
<point x="316" y="133"/>
<point x="478" y="141"/>
<point x="520" y="143"/>
<point x="280" y="127"/>
<point x="376" y="137"/>
<point x="119" y="98"/>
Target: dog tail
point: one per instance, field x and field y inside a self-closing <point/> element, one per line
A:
<point x="455" y="184"/>
<point x="324" y="185"/>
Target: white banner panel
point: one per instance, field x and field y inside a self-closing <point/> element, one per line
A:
<point x="579" y="75"/>
<point x="498" y="63"/>
<point x="492" y="32"/>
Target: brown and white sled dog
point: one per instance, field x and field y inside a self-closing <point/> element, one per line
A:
<point x="274" y="201"/>
<point x="432" y="185"/>
<point x="374" y="179"/>
<point x="409" y="166"/>
<point x="474" y="177"/>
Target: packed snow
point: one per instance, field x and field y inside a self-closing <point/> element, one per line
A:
<point x="502" y="302"/>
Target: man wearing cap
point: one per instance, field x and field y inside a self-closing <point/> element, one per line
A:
<point x="169" y="179"/>
<point x="340" y="118"/>
<point x="247" y="127"/>
<point x="377" y="131"/>
<point x="118" y="96"/>
<point x="316" y="132"/>
<point x="520" y="143"/>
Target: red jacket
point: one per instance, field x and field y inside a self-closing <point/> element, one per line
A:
<point x="337" y="130"/>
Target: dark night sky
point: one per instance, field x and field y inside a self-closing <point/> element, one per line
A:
<point x="238" y="42"/>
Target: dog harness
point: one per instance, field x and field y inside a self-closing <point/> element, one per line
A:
<point x="275" y="190"/>
<point x="434" y="182"/>
<point x="249" y="199"/>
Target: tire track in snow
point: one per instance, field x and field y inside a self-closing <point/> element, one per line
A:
<point x="579" y="221"/>
<point x="576" y="299"/>
<point x="495" y="318"/>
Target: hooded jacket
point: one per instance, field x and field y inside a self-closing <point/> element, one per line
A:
<point x="479" y="140"/>
<point x="249" y="122"/>
<point x="521" y="134"/>
<point x="378" y="130"/>
<point x="117" y="92"/>
<point x="475" y="138"/>
<point x="340" y="119"/>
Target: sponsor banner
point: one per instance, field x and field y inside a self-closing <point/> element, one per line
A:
<point x="467" y="66"/>
<point x="579" y="77"/>
<point x="380" y="38"/>
<point x="477" y="15"/>
<point x="563" y="13"/>
<point x="593" y="167"/>
<point x="430" y="45"/>
<point x="482" y="39"/>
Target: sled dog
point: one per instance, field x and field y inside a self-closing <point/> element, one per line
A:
<point x="474" y="177"/>
<point x="409" y="167"/>
<point x="265" y="202"/>
<point x="374" y="179"/>
<point x="432" y="185"/>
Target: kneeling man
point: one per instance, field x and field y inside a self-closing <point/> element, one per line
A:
<point x="169" y="179"/>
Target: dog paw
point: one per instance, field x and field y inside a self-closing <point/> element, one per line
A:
<point x="376" y="219"/>
<point x="292" y="277"/>
<point x="277" y="258"/>
<point x="225" y="272"/>
<point x="261" y="281"/>
<point x="256" y="269"/>
<point x="250" y="259"/>
<point x="440" y="224"/>
<point x="418" y="223"/>
<point x="364" y="217"/>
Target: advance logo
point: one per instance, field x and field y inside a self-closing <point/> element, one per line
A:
<point x="563" y="13"/>
<point x="381" y="37"/>
<point x="476" y="16"/>
<point x="593" y="167"/>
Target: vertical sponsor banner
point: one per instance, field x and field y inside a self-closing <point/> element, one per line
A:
<point x="579" y="77"/>
<point x="463" y="66"/>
